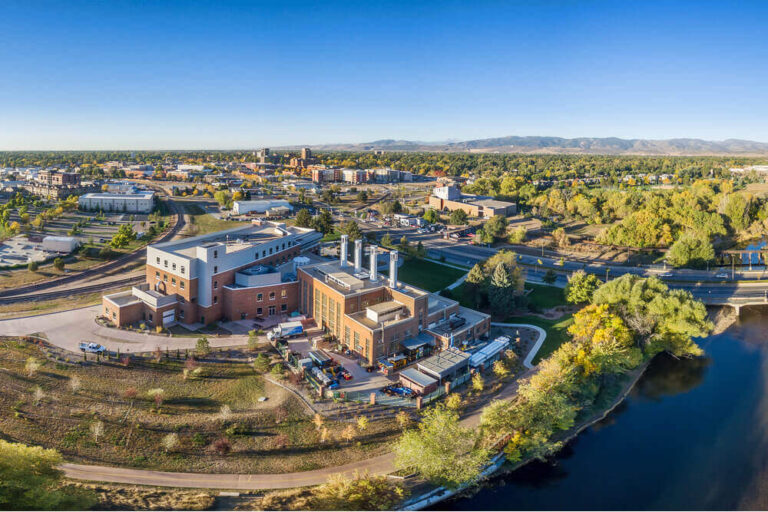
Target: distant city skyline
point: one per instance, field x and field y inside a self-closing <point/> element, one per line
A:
<point x="128" y="75"/>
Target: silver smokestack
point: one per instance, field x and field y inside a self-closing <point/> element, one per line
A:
<point x="343" y="250"/>
<point x="358" y="255"/>
<point x="393" y="269"/>
<point x="374" y="264"/>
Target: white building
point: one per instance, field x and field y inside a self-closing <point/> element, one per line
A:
<point x="242" y="207"/>
<point x="141" y="202"/>
<point x="65" y="244"/>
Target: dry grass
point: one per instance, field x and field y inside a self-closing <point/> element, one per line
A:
<point x="274" y="436"/>
<point x="20" y="309"/>
<point x="116" y="497"/>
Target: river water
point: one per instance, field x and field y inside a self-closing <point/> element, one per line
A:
<point x="692" y="435"/>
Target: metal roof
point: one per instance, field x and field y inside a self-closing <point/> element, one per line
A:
<point x="444" y="363"/>
<point x="422" y="379"/>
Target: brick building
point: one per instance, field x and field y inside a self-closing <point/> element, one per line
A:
<point x="450" y="198"/>
<point x="379" y="317"/>
<point x="240" y="273"/>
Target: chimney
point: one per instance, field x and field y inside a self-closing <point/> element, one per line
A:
<point x="374" y="264"/>
<point x="393" y="269"/>
<point x="343" y="250"/>
<point x="358" y="255"/>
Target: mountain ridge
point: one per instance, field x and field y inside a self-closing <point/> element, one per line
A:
<point x="578" y="145"/>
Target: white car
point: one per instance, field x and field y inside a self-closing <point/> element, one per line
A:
<point x="666" y="274"/>
<point x="722" y="275"/>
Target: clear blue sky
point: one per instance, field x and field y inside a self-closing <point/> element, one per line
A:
<point x="223" y="74"/>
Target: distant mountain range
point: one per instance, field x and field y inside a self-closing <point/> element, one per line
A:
<point x="581" y="145"/>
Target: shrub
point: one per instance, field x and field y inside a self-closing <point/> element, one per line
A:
<point x="222" y="446"/>
<point x="261" y="364"/>
<point x="202" y="347"/>
<point x="33" y="266"/>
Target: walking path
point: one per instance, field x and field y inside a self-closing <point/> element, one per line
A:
<point x="379" y="465"/>
<point x="528" y="361"/>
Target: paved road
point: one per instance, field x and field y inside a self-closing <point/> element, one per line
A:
<point x="66" y="329"/>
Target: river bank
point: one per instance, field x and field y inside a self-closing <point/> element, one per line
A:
<point x="498" y="467"/>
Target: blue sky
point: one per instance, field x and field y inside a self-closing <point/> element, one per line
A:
<point x="225" y="74"/>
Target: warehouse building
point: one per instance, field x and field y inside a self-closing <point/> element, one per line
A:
<point x="140" y="202"/>
<point x="450" y="198"/>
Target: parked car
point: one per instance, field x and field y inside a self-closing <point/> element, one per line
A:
<point x="93" y="348"/>
<point x="722" y="275"/>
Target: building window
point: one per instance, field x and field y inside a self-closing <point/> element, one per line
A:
<point x="181" y="314"/>
<point x="165" y="278"/>
<point x="215" y="285"/>
<point x="215" y="299"/>
<point x="271" y="310"/>
<point x="242" y="316"/>
<point x="263" y="253"/>
<point x="182" y="270"/>
<point x="271" y="295"/>
<point x="157" y="275"/>
<point x="215" y="254"/>
<point x="114" y="315"/>
<point x="173" y="266"/>
<point x="270" y="250"/>
<point x="283" y="293"/>
<point x="150" y="317"/>
<point x="158" y="260"/>
<point x="283" y="307"/>
<point x="173" y="281"/>
<point x="181" y="284"/>
<point x="283" y="247"/>
<point x="259" y="311"/>
<point x="165" y="263"/>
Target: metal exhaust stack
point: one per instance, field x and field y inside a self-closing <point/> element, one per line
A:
<point x="358" y="255"/>
<point x="374" y="264"/>
<point x="393" y="269"/>
<point x="343" y="250"/>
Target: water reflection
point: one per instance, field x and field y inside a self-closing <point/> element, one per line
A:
<point x="693" y="435"/>
<point x="671" y="376"/>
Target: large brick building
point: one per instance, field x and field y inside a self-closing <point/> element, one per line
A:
<point x="378" y="317"/>
<point x="450" y="198"/>
<point x="240" y="273"/>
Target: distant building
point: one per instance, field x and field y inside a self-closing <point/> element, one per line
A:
<point x="63" y="244"/>
<point x="305" y="160"/>
<point x="57" y="184"/>
<point x="141" y="202"/>
<point x="450" y="198"/>
<point x="262" y="206"/>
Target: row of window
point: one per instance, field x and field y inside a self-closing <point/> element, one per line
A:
<point x="182" y="284"/>
<point x="173" y="265"/>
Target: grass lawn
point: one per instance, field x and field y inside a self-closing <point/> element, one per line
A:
<point x="545" y="297"/>
<point x="201" y="223"/>
<point x="557" y="332"/>
<point x="428" y="275"/>
<point x="45" y="408"/>
<point x="21" y="309"/>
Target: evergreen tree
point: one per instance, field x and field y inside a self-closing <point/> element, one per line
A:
<point x="501" y="290"/>
<point x="475" y="286"/>
<point x="303" y="218"/>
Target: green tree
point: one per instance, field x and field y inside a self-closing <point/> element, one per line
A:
<point x="501" y="290"/>
<point x="30" y="479"/>
<point x="391" y="207"/>
<point x="518" y="235"/>
<point x="661" y="319"/>
<point x="303" y="218"/>
<point x="222" y="197"/>
<point x="386" y="240"/>
<point x="441" y="450"/>
<point x="58" y="264"/>
<point x="430" y="216"/>
<point x="496" y="226"/>
<point x="482" y="236"/>
<point x="362" y="196"/>
<point x="475" y="286"/>
<point x="33" y="266"/>
<point x="458" y="217"/>
<point x="124" y="236"/>
<point x="261" y="363"/>
<point x="323" y="222"/>
<point x="549" y="276"/>
<point x="690" y="250"/>
<point x="360" y="492"/>
<point x="203" y="346"/>
<point x="580" y="287"/>
<point x="352" y="229"/>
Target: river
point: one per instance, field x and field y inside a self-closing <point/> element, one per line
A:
<point x="692" y="435"/>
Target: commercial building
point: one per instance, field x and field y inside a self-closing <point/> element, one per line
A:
<point x="305" y="160"/>
<point x="140" y="202"/>
<point x="262" y="206"/>
<point x="57" y="184"/>
<point x="380" y="317"/>
<point x="63" y="244"/>
<point x="241" y="273"/>
<point x="450" y="198"/>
